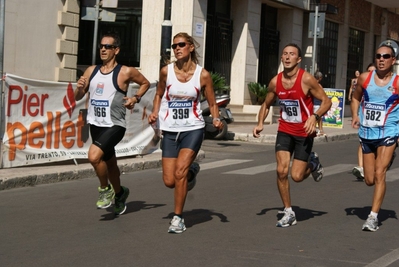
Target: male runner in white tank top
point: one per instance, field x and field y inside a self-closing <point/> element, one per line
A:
<point x="107" y="85"/>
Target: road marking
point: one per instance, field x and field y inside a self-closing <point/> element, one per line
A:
<point x="385" y="260"/>
<point x="222" y="163"/>
<point x="254" y="170"/>
<point x="331" y="170"/>
<point x="338" y="168"/>
<point x="392" y="175"/>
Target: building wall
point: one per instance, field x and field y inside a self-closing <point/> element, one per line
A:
<point x="153" y="16"/>
<point x="246" y="30"/>
<point x="41" y="40"/>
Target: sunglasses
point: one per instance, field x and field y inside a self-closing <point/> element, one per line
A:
<point x="181" y="44"/>
<point x="384" y="56"/>
<point x="106" y="46"/>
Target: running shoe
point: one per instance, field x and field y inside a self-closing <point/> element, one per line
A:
<point x="358" y="172"/>
<point x="371" y="224"/>
<point x="120" y="202"/>
<point x="318" y="172"/>
<point x="392" y="159"/>
<point x="177" y="225"/>
<point x="287" y="220"/>
<point x="105" y="197"/>
<point x="194" y="169"/>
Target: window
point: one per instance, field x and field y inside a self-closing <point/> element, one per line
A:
<point x="127" y="25"/>
<point x="355" y="55"/>
<point x="328" y="53"/>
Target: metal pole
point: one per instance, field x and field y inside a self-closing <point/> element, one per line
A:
<point x="316" y="15"/>
<point x="95" y="34"/>
<point x="166" y="38"/>
<point x="2" y="120"/>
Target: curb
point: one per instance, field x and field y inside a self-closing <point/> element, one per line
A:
<point x="271" y="138"/>
<point x="68" y="172"/>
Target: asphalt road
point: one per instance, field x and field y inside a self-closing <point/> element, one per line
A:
<point x="230" y="217"/>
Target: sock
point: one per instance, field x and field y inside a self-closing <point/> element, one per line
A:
<point x="179" y="215"/>
<point x="118" y="195"/>
<point x="374" y="214"/>
<point x="288" y="209"/>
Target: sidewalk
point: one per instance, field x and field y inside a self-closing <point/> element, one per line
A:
<point x="67" y="170"/>
<point x="243" y="132"/>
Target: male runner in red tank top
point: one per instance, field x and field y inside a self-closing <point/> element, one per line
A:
<point x="295" y="90"/>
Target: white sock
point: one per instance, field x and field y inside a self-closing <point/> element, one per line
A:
<point x="288" y="209"/>
<point x="374" y="214"/>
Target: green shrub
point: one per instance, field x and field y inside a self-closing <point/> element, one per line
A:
<point x="258" y="91"/>
<point x="220" y="85"/>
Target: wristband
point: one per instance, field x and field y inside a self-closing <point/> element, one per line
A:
<point x="216" y="119"/>
<point x="317" y="116"/>
<point x="138" y="98"/>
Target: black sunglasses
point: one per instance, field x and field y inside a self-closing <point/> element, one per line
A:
<point x="181" y="44"/>
<point x="106" y="46"/>
<point x="384" y="56"/>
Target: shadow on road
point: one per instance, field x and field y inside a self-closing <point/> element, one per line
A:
<point x="300" y="213"/>
<point x="133" y="206"/>
<point x="362" y="213"/>
<point x="198" y="216"/>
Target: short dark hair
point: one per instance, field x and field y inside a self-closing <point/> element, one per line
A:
<point x="296" y="46"/>
<point x="318" y="75"/>
<point x="370" y="65"/>
<point x="117" y="39"/>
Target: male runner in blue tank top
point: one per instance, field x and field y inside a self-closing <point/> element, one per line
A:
<point x="377" y="122"/>
<point x="107" y="85"/>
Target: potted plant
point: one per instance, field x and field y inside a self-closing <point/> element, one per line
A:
<point x="258" y="91"/>
<point x="219" y="83"/>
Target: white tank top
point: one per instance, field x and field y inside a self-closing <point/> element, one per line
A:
<point x="180" y="109"/>
<point x="106" y="99"/>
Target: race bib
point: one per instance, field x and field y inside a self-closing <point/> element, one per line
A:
<point x="180" y="113"/>
<point x="291" y="111"/>
<point x="373" y="114"/>
<point x="101" y="111"/>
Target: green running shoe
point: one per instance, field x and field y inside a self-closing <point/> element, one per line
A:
<point x="105" y="197"/>
<point x="120" y="202"/>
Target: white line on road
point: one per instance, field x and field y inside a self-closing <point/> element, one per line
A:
<point x="392" y="175"/>
<point x="331" y="170"/>
<point x="385" y="260"/>
<point x="222" y="163"/>
<point x="254" y="170"/>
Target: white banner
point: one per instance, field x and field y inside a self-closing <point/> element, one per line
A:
<point x="44" y="123"/>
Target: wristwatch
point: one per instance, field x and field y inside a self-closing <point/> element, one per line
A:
<point x="317" y="116"/>
<point x="138" y="98"/>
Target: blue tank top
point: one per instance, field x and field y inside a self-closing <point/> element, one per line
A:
<point x="379" y="110"/>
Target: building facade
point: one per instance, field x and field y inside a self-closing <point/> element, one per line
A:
<point x="240" y="39"/>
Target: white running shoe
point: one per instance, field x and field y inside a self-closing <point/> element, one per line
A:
<point x="371" y="224"/>
<point x="287" y="220"/>
<point x="358" y="172"/>
<point x="177" y="225"/>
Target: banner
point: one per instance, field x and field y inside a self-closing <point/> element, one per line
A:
<point x="44" y="123"/>
<point x="334" y="116"/>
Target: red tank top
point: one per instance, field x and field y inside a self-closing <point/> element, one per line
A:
<point x="295" y="107"/>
